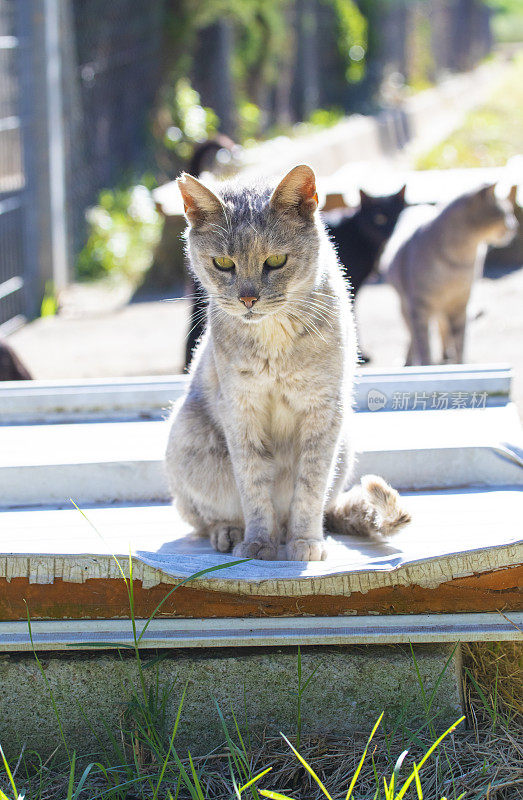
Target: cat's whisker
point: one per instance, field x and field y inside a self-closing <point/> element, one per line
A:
<point x="322" y="313"/>
<point x="179" y="299"/>
<point x="322" y="307"/>
<point x="309" y="323"/>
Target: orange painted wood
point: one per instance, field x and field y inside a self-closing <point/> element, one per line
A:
<point x="107" y="599"/>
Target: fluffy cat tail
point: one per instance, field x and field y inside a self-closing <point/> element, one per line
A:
<point x="372" y="508"/>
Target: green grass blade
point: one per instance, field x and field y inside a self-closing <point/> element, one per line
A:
<point x="362" y="759"/>
<point x="253" y="780"/>
<point x="171" y="741"/>
<point x="179" y="712"/>
<point x="9" y="773"/>
<point x="233" y="779"/>
<point x="308" y="768"/>
<point x="440" y="676"/>
<point x="420" y="680"/>
<point x="427" y="755"/>
<point x="186" y="580"/>
<point x="184" y="776"/>
<point x="238" y="733"/>
<point x="71" y="778"/>
<point x="240" y="759"/>
<point x="484" y="700"/>
<point x="417" y="781"/>
<point x="103" y="645"/>
<point x="311" y="676"/>
<point x="388" y="793"/>
<point x="82" y="780"/>
<point x="195" y="777"/>
<point x="95" y="529"/>
<point x="275" y="795"/>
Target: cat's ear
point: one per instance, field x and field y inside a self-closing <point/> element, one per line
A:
<point x="365" y="198"/>
<point x="401" y="194"/>
<point x="198" y="201"/>
<point x="487" y="192"/>
<point x="297" y="190"/>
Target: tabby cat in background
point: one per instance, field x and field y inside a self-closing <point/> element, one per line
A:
<point x="261" y="447"/>
<point x="432" y="260"/>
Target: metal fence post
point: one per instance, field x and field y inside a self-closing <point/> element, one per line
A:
<point x="30" y="166"/>
<point x="55" y="125"/>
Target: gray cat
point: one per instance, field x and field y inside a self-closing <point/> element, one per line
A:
<point x="432" y="259"/>
<point x="260" y="447"/>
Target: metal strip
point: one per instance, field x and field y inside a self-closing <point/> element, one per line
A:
<point x="9" y="124"/>
<point x="10" y="204"/>
<point x="8" y="42"/>
<point x="110" y="399"/>
<point x="198" y="633"/>
<point x="10" y="286"/>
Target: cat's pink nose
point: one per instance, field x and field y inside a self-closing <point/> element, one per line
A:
<point x="248" y="302"/>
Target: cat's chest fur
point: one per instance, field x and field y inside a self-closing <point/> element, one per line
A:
<point x="283" y="375"/>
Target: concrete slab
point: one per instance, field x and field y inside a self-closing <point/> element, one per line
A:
<point x="351" y="687"/>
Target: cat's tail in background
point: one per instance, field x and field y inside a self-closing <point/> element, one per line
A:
<point x="372" y="509"/>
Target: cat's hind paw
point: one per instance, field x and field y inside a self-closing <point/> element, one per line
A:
<point x="224" y="537"/>
<point x="306" y="550"/>
<point x="257" y="548"/>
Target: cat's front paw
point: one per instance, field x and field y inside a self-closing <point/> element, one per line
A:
<point x="306" y="550"/>
<point x="223" y="537"/>
<point x="257" y="548"/>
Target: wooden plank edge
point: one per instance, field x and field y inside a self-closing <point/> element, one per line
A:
<point x="496" y="590"/>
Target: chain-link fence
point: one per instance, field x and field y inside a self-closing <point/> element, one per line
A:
<point x="12" y="173"/>
<point x="77" y="82"/>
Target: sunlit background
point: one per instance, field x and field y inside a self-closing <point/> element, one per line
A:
<point x="103" y="104"/>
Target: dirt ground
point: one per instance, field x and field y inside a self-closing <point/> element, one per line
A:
<point x="101" y="335"/>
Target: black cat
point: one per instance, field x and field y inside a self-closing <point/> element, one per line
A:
<point x="358" y="237"/>
<point x="11" y="368"/>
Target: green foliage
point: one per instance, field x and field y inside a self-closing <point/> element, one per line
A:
<point x="508" y="27"/>
<point x="49" y="306"/>
<point x="326" y="117"/>
<point x="189" y="121"/>
<point x="490" y="134"/>
<point x="264" y="46"/>
<point x="249" y="120"/>
<point x="123" y="230"/>
<point x="352" y="37"/>
<point x="420" y="68"/>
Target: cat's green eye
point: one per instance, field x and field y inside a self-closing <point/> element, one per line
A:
<point x="275" y="262"/>
<point x="224" y="263"/>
